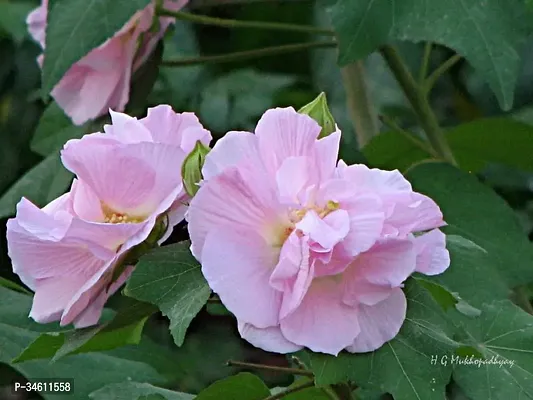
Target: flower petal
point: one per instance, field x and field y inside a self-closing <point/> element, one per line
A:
<point x="229" y="151"/>
<point x="432" y="256"/>
<point x="327" y="152"/>
<point x="380" y="323"/>
<point x="268" y="339"/>
<point x="325" y="232"/>
<point x="322" y="310"/>
<point x="237" y="265"/>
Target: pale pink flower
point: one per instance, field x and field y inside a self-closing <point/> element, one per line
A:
<point x="126" y="179"/>
<point x="305" y="252"/>
<point x="101" y="80"/>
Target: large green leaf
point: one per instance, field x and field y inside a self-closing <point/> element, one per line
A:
<point x="146" y="362"/>
<point x="402" y="366"/>
<point x="489" y="34"/>
<point x="474" y="145"/>
<point x="170" y="277"/>
<point x="13" y="18"/>
<point x="53" y="131"/>
<point x="474" y="211"/>
<point x="135" y="390"/>
<point x="503" y="335"/>
<point x="75" y="27"/>
<point x="243" y="386"/>
<point x="41" y="184"/>
<point x="125" y="328"/>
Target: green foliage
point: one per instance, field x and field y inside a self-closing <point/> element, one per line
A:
<point x="75" y="27"/>
<point x="243" y="386"/>
<point x="474" y="145"/>
<point x="42" y="184"/>
<point x="170" y="278"/>
<point x="318" y="110"/>
<point x="136" y="391"/>
<point x="473" y="211"/>
<point x="191" y="170"/>
<point x="490" y="35"/>
<point x="12" y="18"/>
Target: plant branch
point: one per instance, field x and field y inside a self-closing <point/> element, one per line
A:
<point x="425" y="62"/>
<point x="234" y="23"/>
<point x="293" y="389"/>
<point x="419" y="102"/>
<point x="412" y="138"/>
<point x="249" y="54"/>
<point x="442" y="69"/>
<point x="360" y="107"/>
<point x="294" y="371"/>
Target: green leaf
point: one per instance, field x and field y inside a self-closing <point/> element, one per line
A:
<point x="312" y="393"/>
<point x="474" y="145"/>
<point x="489" y="34"/>
<point x="13" y="286"/>
<point x="318" y="110"/>
<point x="145" y="362"/>
<point x="75" y="27"/>
<point x="243" y="386"/>
<point x="503" y="335"/>
<point x="41" y="184"/>
<point x="473" y="211"/>
<point x="191" y="169"/>
<point x="134" y="390"/>
<point x="171" y="278"/>
<point x="402" y="366"/>
<point x="125" y="328"/>
<point x="13" y="18"/>
<point x="54" y="130"/>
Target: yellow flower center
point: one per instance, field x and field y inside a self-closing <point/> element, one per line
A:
<point x="113" y="217"/>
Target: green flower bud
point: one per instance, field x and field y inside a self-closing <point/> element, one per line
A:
<point x="191" y="170"/>
<point x="319" y="111"/>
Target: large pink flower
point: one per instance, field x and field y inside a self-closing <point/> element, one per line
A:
<point x="126" y="179"/>
<point x="101" y="79"/>
<point x="305" y="252"/>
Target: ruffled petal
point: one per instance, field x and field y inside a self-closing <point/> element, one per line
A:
<point x="380" y="323"/>
<point x="237" y="265"/>
<point x="268" y="339"/>
<point x="432" y="256"/>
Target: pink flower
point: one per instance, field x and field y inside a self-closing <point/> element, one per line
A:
<point x="101" y="79"/>
<point x="126" y="179"/>
<point x="305" y="252"/>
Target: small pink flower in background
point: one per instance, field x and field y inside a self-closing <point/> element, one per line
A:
<point x="101" y="79"/>
<point x="126" y="179"/>
<point x="304" y="251"/>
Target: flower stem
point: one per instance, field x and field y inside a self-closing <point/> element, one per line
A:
<point x="294" y="371"/>
<point x="435" y="75"/>
<point x="362" y="112"/>
<point x="249" y="54"/>
<point x="293" y="389"/>
<point x="425" y="62"/>
<point x="234" y="23"/>
<point x="419" y="102"/>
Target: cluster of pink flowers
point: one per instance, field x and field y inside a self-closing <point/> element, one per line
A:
<point x="303" y="249"/>
<point x="101" y="80"/>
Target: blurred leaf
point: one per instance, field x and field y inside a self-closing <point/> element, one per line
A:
<point x="171" y="278"/>
<point x="502" y="335"/>
<point x="489" y="34"/>
<point x="473" y="211"/>
<point x="402" y="366"/>
<point x="54" y="130"/>
<point x="145" y="362"/>
<point x="125" y="328"/>
<point x="243" y="386"/>
<point x="474" y="145"/>
<point x="13" y="18"/>
<point x="13" y="286"/>
<point x="75" y="27"/>
<point x="134" y="390"/>
<point x="235" y="100"/>
<point x="42" y="184"/>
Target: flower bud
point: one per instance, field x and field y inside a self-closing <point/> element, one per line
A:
<point x="319" y="111"/>
<point x="191" y="170"/>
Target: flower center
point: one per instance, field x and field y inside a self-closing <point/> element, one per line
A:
<point x="113" y="217"/>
